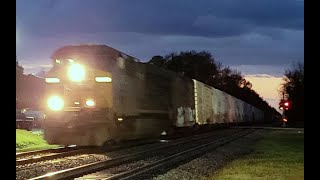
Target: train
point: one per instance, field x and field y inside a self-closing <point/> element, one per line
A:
<point x="96" y="94"/>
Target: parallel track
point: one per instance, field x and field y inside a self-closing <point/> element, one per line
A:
<point x="50" y="154"/>
<point x="94" y="167"/>
<point x="131" y="174"/>
<point x="55" y="153"/>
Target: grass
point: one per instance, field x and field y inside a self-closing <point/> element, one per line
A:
<point x="279" y="156"/>
<point x="28" y="141"/>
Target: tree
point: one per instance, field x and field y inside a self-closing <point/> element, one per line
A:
<point x="203" y="67"/>
<point x="29" y="89"/>
<point x="293" y="90"/>
<point x="192" y="64"/>
<point x="19" y="81"/>
<point x="19" y="68"/>
<point x="158" y="61"/>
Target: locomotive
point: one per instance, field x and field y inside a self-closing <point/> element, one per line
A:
<point x="96" y="94"/>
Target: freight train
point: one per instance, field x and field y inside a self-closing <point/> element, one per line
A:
<point x="96" y="94"/>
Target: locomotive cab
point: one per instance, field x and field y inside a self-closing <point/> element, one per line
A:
<point x="77" y="97"/>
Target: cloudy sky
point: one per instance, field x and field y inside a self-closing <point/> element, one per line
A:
<point x="260" y="38"/>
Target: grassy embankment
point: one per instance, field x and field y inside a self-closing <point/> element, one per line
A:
<point x="279" y="156"/>
<point x="28" y="141"/>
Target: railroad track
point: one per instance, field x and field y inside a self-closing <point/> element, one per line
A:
<point x="50" y="154"/>
<point x="203" y="142"/>
<point x="55" y="153"/>
<point x="175" y="158"/>
<point x="33" y="157"/>
<point x="45" y="151"/>
<point x="39" y="166"/>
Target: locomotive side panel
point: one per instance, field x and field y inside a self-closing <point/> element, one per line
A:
<point x="143" y="99"/>
<point x="128" y="85"/>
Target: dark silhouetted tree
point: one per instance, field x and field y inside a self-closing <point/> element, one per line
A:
<point x="203" y="67"/>
<point x="158" y="61"/>
<point x="293" y="90"/>
<point x="29" y="89"/>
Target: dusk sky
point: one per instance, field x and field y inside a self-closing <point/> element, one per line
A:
<point x="259" y="38"/>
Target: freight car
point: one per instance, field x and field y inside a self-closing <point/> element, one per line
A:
<point x="96" y="94"/>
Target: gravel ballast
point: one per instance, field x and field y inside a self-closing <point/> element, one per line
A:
<point x="196" y="168"/>
<point x="205" y="165"/>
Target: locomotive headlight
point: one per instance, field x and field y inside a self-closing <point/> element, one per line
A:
<point x="76" y="72"/>
<point x="55" y="103"/>
<point x="90" y="102"/>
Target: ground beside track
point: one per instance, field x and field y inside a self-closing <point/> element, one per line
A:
<point x="279" y="156"/>
<point x="263" y="154"/>
<point x="30" y="140"/>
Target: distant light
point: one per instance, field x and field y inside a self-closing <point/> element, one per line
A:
<point x="286" y="104"/>
<point x="103" y="79"/>
<point x="120" y="119"/>
<point x="58" y="61"/>
<point x="52" y="80"/>
<point x="77" y="103"/>
<point x="285" y="120"/>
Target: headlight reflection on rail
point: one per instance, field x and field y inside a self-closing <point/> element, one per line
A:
<point x="55" y="103"/>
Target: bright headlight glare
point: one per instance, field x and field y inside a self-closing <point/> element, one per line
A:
<point x="55" y="103"/>
<point x="90" y="102"/>
<point x="76" y="72"/>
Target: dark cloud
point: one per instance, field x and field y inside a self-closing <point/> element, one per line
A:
<point x="204" y="18"/>
<point x="259" y="38"/>
<point x="246" y="32"/>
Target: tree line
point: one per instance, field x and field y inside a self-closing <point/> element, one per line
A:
<point x="204" y="68"/>
<point x="293" y="90"/>
<point x="29" y="89"/>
